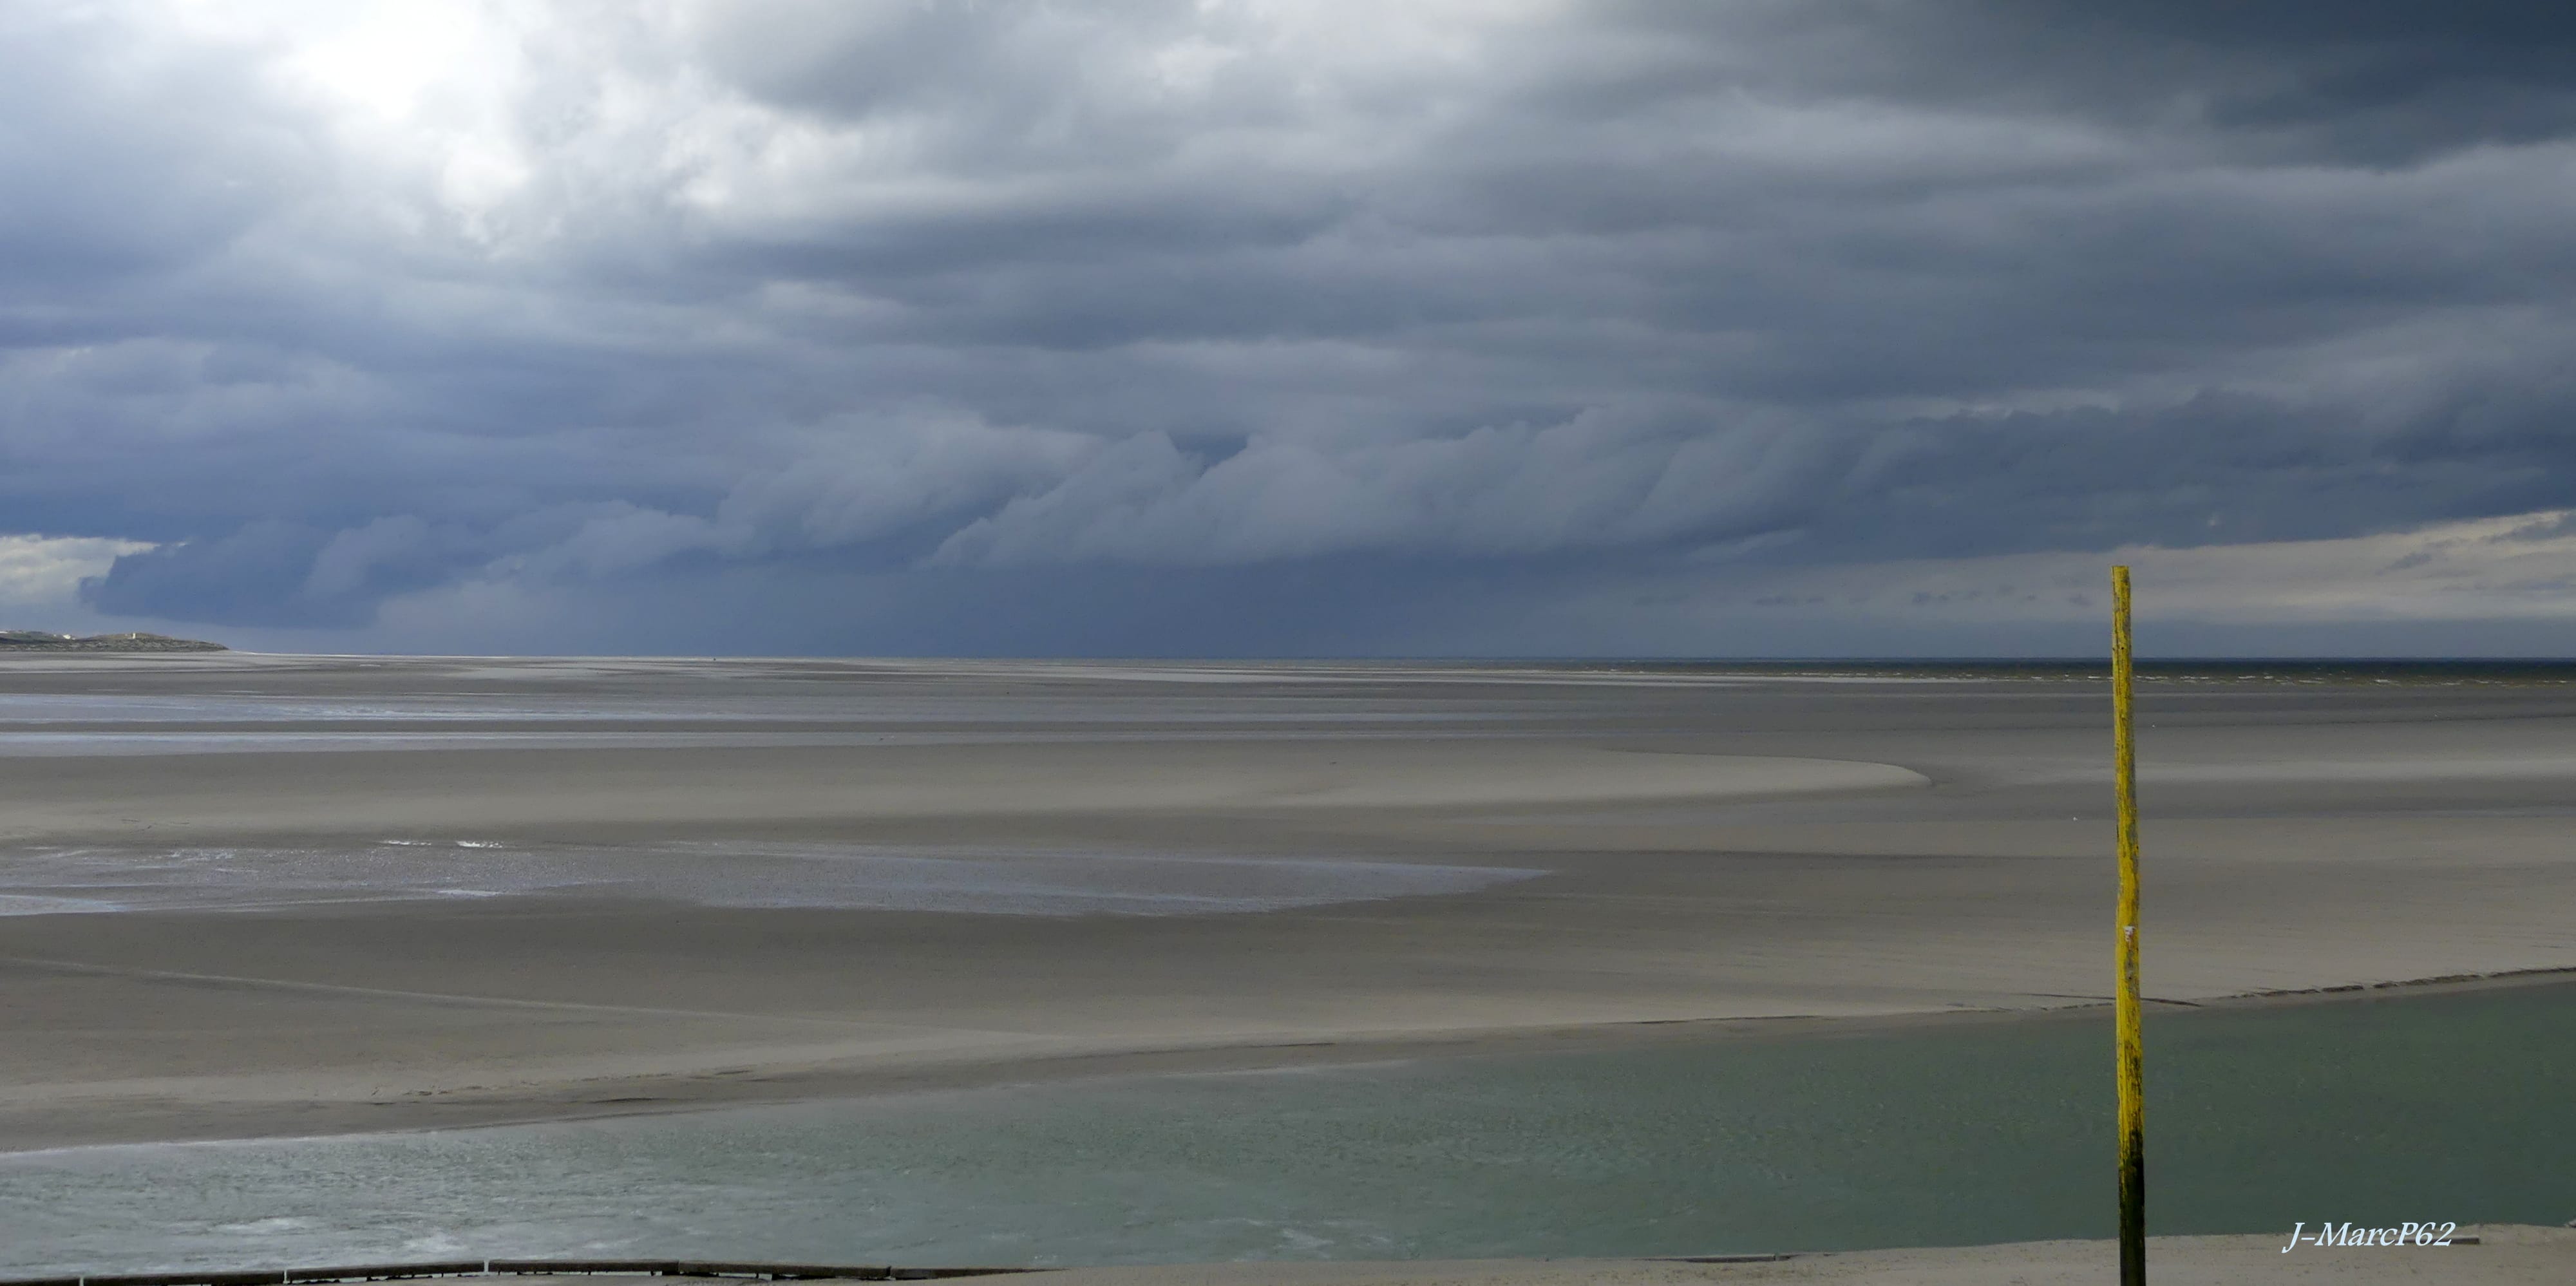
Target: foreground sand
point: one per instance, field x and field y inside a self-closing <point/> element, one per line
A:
<point x="1713" y="858"/>
<point x="2510" y="1254"/>
<point x="2507" y="1255"/>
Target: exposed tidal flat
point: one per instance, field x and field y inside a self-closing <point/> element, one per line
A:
<point x="1160" y="961"/>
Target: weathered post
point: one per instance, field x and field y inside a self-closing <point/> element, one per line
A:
<point x="2131" y="1053"/>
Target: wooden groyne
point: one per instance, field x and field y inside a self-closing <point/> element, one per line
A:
<point x="523" y="1268"/>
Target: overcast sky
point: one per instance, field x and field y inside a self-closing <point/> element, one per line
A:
<point x="1289" y="328"/>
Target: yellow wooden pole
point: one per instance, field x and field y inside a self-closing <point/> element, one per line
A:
<point x="2132" y="1057"/>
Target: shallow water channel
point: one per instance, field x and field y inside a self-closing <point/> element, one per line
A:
<point x="2457" y="1106"/>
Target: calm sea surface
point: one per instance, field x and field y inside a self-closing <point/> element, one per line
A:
<point x="2448" y="1107"/>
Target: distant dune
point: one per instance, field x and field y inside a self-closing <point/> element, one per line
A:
<point x="40" y="641"/>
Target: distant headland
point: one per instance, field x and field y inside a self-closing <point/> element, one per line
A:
<point x="40" y="641"/>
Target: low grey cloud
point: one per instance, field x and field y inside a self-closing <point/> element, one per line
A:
<point x="1163" y="326"/>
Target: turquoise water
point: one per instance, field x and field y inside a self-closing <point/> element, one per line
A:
<point x="2448" y="1107"/>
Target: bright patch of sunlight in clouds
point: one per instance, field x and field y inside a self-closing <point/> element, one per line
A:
<point x="46" y="571"/>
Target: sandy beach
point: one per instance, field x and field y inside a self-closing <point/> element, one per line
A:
<point x="2498" y="1255"/>
<point x="271" y="896"/>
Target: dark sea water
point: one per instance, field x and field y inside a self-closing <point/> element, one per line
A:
<point x="2458" y="1106"/>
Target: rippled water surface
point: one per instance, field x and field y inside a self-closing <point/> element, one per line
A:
<point x="2449" y="1107"/>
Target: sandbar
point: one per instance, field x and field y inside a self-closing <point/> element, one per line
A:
<point x="1290" y="863"/>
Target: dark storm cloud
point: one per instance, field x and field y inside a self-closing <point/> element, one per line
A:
<point x="899" y="299"/>
<point x="2372" y="81"/>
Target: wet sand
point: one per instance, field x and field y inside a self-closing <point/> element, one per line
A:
<point x="1712" y="856"/>
<point x="2506" y="1253"/>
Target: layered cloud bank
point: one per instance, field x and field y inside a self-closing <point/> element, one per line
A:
<point x="1251" y="327"/>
